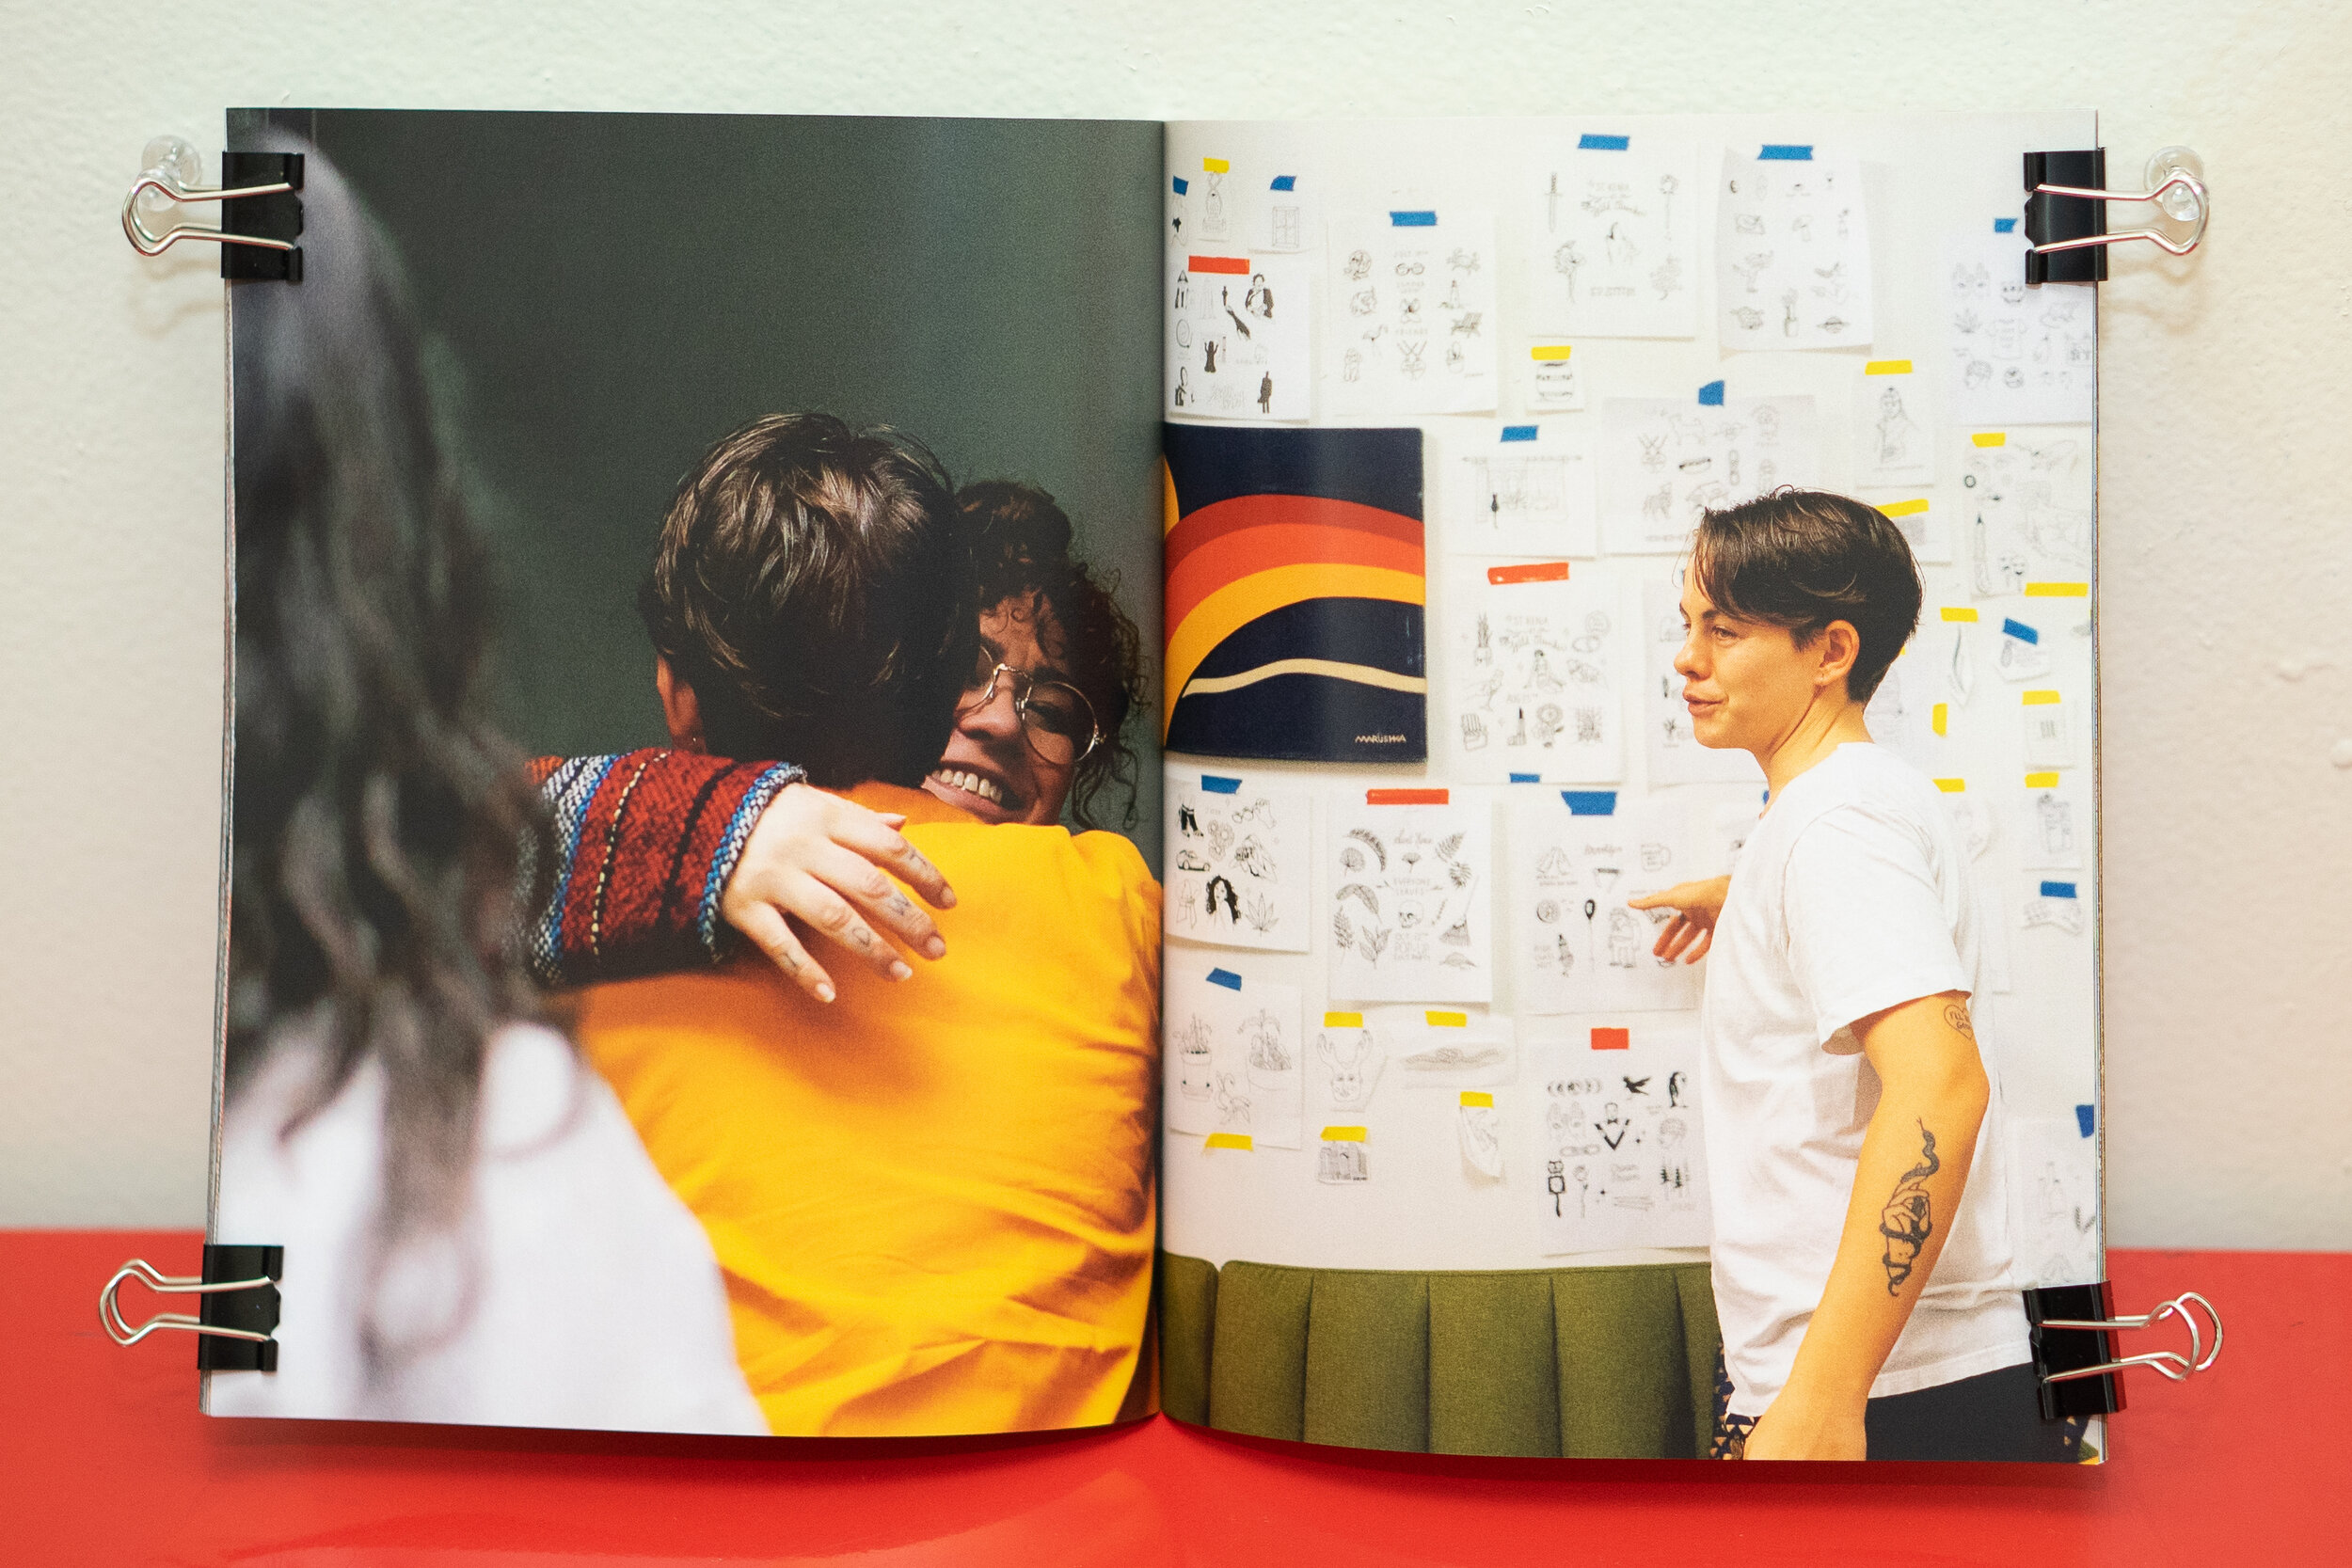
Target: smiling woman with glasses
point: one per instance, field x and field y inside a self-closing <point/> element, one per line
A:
<point x="1040" y="723"/>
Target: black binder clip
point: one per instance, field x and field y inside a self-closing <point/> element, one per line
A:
<point x="260" y="215"/>
<point x="2074" y="1349"/>
<point x="235" y="1317"/>
<point x="2066" y="211"/>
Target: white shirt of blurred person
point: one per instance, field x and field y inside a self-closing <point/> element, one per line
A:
<point x="576" y="1291"/>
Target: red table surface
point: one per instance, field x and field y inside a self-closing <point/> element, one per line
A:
<point x="104" y="1460"/>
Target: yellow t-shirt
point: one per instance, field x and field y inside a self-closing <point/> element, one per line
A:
<point x="933" y="1200"/>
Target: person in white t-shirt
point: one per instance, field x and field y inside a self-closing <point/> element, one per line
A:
<point x="1861" y="1258"/>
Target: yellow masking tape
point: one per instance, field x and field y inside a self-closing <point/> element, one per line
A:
<point x="1959" y="612"/>
<point x="2041" y="699"/>
<point x="1903" y="509"/>
<point x="1476" y="1096"/>
<point x="1887" y="367"/>
<point x="1952" y="786"/>
<point x="1227" y="1140"/>
<point x="1448" y="1020"/>
<point x="1939" y="716"/>
<point x="1990" y="438"/>
<point x="2042" y="781"/>
<point x="1343" y="1020"/>
<point x="2057" y="590"/>
<point x="1549" y="350"/>
<point x="1342" y="1135"/>
<point x="1217" y="165"/>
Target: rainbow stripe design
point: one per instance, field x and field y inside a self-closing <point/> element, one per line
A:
<point x="1296" y="582"/>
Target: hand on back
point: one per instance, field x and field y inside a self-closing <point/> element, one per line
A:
<point x="819" y="858"/>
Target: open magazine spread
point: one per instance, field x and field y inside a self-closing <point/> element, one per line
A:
<point x="1250" y="566"/>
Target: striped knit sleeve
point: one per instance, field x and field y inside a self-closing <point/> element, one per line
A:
<point x="644" y="843"/>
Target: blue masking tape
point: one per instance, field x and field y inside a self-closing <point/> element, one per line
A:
<point x="1215" y="785"/>
<point x="2018" y="629"/>
<point x="2005" y="225"/>
<point x="1711" y="395"/>
<point x="1590" y="802"/>
<point x="1787" y="152"/>
<point x="2058" y="889"/>
<point x="1225" y="977"/>
<point x="1178" y="182"/>
<point x="1589" y="143"/>
<point x="1519" y="433"/>
<point x="1284" y="182"/>
<point x="1527" y="777"/>
<point x="2087" y="1118"/>
<point x="1412" y="220"/>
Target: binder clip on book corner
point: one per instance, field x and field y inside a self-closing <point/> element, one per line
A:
<point x="2066" y="211"/>
<point x="237" y="1309"/>
<point x="261" y="209"/>
<point x="2073" y="1328"/>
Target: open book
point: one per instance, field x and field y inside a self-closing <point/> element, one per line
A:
<point x="1245" y="562"/>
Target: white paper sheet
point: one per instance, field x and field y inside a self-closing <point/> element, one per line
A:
<point x="2057" y="1201"/>
<point x="2053" y="827"/>
<point x="1532" y="677"/>
<point x="1578" y="946"/>
<point x="1238" y="336"/>
<point x="1350" y="1054"/>
<point x="2049" y="732"/>
<point x="1448" y="1052"/>
<point x="1550" y="380"/>
<point x="1411" y="325"/>
<point x="1527" y="494"/>
<point x="1894" y="428"/>
<point x="1665" y="460"/>
<point x="1233" y="1054"/>
<point x="1674" y="755"/>
<point x="1792" y="254"/>
<point x="2018" y="355"/>
<point x="1236" y="859"/>
<point x="1619" y="1142"/>
<point x="2030" y="509"/>
<point x="1409" y="902"/>
<point x="1612" y="241"/>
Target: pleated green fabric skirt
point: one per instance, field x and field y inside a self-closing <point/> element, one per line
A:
<point x="1592" y="1363"/>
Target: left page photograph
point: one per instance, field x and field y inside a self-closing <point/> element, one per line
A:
<point x="694" y="908"/>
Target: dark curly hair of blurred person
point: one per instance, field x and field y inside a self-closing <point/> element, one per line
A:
<point x="379" y="818"/>
<point x="1020" y="539"/>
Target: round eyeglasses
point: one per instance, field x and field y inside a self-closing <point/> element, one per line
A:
<point x="1057" y="720"/>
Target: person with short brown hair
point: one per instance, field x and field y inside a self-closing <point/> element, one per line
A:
<point x="1861" y="1255"/>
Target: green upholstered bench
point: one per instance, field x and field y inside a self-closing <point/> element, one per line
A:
<point x="1592" y="1363"/>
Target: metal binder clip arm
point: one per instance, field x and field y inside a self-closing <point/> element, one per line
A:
<point x="119" y="1328"/>
<point x="260" y="208"/>
<point x="149" y="243"/>
<point x="2172" y="1364"/>
<point x="2201" y="207"/>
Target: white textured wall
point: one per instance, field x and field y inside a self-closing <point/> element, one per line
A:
<point x="2226" y="598"/>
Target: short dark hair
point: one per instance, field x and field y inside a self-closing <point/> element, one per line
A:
<point x="1802" y="559"/>
<point x="1020" y="539"/>
<point x="813" y="586"/>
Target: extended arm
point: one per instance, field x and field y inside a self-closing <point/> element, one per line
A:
<point x="658" y="852"/>
<point x="1907" y="1189"/>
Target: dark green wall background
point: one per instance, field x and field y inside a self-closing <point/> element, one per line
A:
<point x="607" y="295"/>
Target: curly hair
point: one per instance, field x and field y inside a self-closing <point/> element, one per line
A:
<point x="378" y="818"/>
<point x="1020" y="539"/>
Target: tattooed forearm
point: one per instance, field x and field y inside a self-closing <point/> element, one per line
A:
<point x="1906" y="1222"/>
<point x="1957" y="1017"/>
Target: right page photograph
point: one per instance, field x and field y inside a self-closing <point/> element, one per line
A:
<point x="1631" y="699"/>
